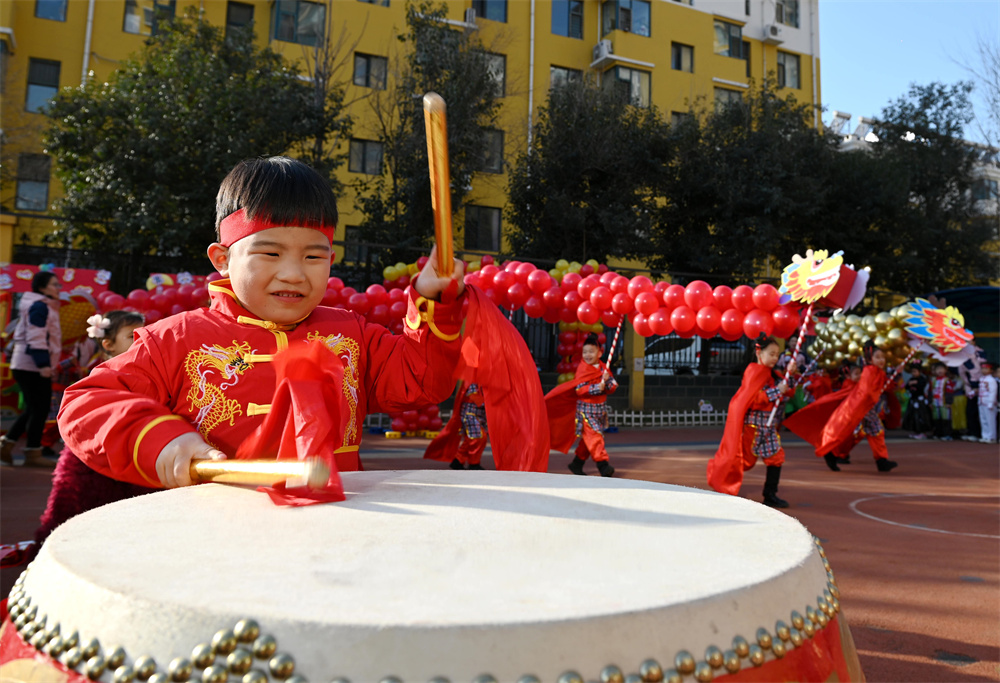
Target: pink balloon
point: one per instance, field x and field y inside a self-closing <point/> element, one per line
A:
<point x="638" y="285"/>
<point x="731" y="323"/>
<point x="601" y="298"/>
<point x="641" y="326"/>
<point x="646" y="303"/>
<point x="708" y="319"/>
<point x="765" y="297"/>
<point x="743" y="298"/>
<point x="587" y="314"/>
<point x="697" y="295"/>
<point x="622" y="304"/>
<point x="674" y="296"/>
<point x="756" y="322"/>
<point x="722" y="298"/>
<point x="659" y="322"/>
<point x="683" y="319"/>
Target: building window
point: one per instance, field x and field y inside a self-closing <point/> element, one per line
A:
<point x="725" y="97"/>
<point x="369" y="71"/>
<point x="354" y="251"/>
<point x="32" y="182"/>
<point x="631" y="83"/>
<point x="728" y="39"/>
<point x="626" y="15"/>
<point x="560" y="76"/>
<point x="682" y="57"/>
<point x="380" y="3"/>
<point x="133" y="18"/>
<point x="746" y="55"/>
<point x="787" y="12"/>
<point x="746" y="7"/>
<point x="678" y="118"/>
<point x="567" y="18"/>
<point x="4" y="54"/>
<point x="146" y="13"/>
<point x="985" y="189"/>
<point x="366" y="157"/>
<point x="497" y="67"/>
<point x="298" y="21"/>
<point x="788" y="70"/>
<point x="238" y="16"/>
<point x="494" y="10"/>
<point x="51" y="9"/>
<point x="493" y="153"/>
<point x="482" y="228"/>
<point x="43" y="83"/>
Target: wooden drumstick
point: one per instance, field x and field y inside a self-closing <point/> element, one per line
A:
<point x="435" y="123"/>
<point x="311" y="472"/>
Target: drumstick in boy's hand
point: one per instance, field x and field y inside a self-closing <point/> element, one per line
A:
<point x="311" y="472"/>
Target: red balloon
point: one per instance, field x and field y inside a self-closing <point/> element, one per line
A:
<point x="334" y="283"/>
<point x="486" y="259"/>
<point x="638" y="285"/>
<point x="765" y="297"/>
<point x="610" y="318"/>
<point x="397" y="309"/>
<point x="602" y="338"/>
<point x="359" y="303"/>
<point x="436" y="423"/>
<point x="697" y="295"/>
<point x="659" y="288"/>
<point x="722" y="298"/>
<point x="379" y="314"/>
<point x="347" y="292"/>
<point x="511" y="266"/>
<point x="551" y="315"/>
<point x="377" y="294"/>
<point x="524" y="270"/>
<point x="731" y="323"/>
<point x="177" y="308"/>
<point x="199" y="297"/>
<point x="601" y="298"/>
<point x="587" y="285"/>
<point x="212" y="277"/>
<point x="152" y="315"/>
<point x="332" y="298"/>
<point x="170" y="293"/>
<point x="683" y="319"/>
<point x="503" y="280"/>
<point x="398" y="424"/>
<point x="568" y="315"/>
<point x="646" y="303"/>
<point x="756" y="322"/>
<point x="674" y="296"/>
<point x="160" y="303"/>
<point x="395" y="295"/>
<point x="622" y="304"/>
<point x="423" y="421"/>
<point x="422" y="261"/>
<point x="659" y="322"/>
<point x="553" y="297"/>
<point x="587" y="314"/>
<point x="572" y="300"/>
<point x="114" y="301"/>
<point x="138" y="298"/>
<point x="619" y="284"/>
<point x="487" y="273"/>
<point x="539" y="281"/>
<point x="786" y="321"/>
<point x="570" y="281"/>
<point x="641" y="325"/>
<point x="708" y="319"/>
<point x="401" y="281"/>
<point x="607" y="277"/>
<point x="567" y="337"/>
<point x="743" y="298"/>
<point x="518" y="294"/>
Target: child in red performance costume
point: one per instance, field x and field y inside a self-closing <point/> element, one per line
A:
<point x="464" y="438"/>
<point x="837" y="423"/>
<point x="590" y="388"/>
<point x="195" y="384"/>
<point x="748" y="435"/>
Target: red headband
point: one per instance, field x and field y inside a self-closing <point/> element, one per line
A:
<point x="236" y="226"/>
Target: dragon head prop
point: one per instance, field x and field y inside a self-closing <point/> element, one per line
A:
<point x="942" y="328"/>
<point x="819" y="277"/>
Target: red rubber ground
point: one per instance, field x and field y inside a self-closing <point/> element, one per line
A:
<point x="916" y="551"/>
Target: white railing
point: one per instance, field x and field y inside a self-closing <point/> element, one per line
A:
<point x="616" y="418"/>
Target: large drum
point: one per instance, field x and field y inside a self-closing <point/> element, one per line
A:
<point x="431" y="576"/>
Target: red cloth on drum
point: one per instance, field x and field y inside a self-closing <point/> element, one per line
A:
<point x="560" y="405"/>
<point x="211" y="372"/>
<point x="725" y="470"/>
<point x="829" y="422"/>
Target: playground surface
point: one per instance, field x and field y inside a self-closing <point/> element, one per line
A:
<point x="916" y="551"/>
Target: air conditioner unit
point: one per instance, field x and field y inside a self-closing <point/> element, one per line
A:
<point x="602" y="50"/>
<point x="470" y="16"/>
<point x="772" y="34"/>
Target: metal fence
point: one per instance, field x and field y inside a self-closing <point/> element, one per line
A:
<point x="672" y="354"/>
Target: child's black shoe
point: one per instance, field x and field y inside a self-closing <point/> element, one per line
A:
<point x="576" y="467"/>
<point x="456" y="464"/>
<point x="605" y="468"/>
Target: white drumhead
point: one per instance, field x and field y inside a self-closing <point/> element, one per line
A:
<point x="434" y="573"/>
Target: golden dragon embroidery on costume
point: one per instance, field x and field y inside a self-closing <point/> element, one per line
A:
<point x="209" y="400"/>
<point x="345" y="348"/>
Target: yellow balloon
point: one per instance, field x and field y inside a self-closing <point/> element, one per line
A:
<point x="563" y="326"/>
<point x="597" y="328"/>
<point x="474" y="266"/>
<point x="895" y="335"/>
<point x="839" y="317"/>
<point x="820" y="329"/>
<point x="562" y="264"/>
<point x="390" y="273"/>
<point x="852" y="320"/>
<point x="868" y="320"/>
<point x="401" y="267"/>
<point x="572" y="327"/>
<point x="881" y="341"/>
<point x="412" y="269"/>
<point x="593" y="264"/>
<point x="575" y="267"/>
<point x="557" y="274"/>
<point x="902" y="312"/>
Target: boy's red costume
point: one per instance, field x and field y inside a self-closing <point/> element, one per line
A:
<point x="211" y="371"/>
<point x="561" y="407"/>
<point x="734" y="455"/>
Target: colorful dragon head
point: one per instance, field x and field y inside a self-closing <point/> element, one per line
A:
<point x="943" y="328"/>
<point x="810" y="278"/>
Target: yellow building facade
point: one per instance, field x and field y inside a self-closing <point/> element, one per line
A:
<point x="672" y="54"/>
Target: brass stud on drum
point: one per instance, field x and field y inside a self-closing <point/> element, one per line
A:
<point x="91" y="649"/>
<point x="570" y="677"/>
<point x="159" y="677"/>
<point x="633" y="678"/>
<point x="55" y="647"/>
<point x="731" y="661"/>
<point x="811" y="615"/>
<point x="781" y="630"/>
<point x="115" y="658"/>
<point x="94" y="668"/>
<point x="610" y="674"/>
<point x="713" y="656"/>
<point x="202" y="656"/>
<point x="778" y="648"/>
<point x="809" y="629"/>
<point x="797" y="620"/>
<point x="296" y="678"/>
<point x="264" y="647"/>
<point x="390" y="679"/>
<point x="72" y="658"/>
<point x="216" y="673"/>
<point x="281" y="666"/>
<point x="756" y="655"/>
<point x="39" y="639"/>
<point x="73" y="640"/>
<point x="224" y="642"/>
<point x="529" y="678"/>
<point x="703" y="672"/>
<point x="684" y="662"/>
<point x="123" y="674"/>
<point x="179" y="670"/>
<point x="651" y="672"/>
<point x="246" y="630"/>
<point x="439" y="679"/>
<point x="764" y="638"/>
<point x="823" y="620"/>
<point x="239" y="661"/>
<point x="741" y="646"/>
<point x="669" y="676"/>
<point x="796" y="637"/>
<point x="484" y="678"/>
<point x="145" y="666"/>
<point x="257" y="676"/>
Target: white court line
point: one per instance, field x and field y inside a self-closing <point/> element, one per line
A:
<point x="854" y="508"/>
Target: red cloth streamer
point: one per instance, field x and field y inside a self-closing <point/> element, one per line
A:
<point x="519" y="433"/>
<point x="444" y="446"/>
<point x="560" y="406"/>
<point x="236" y="226"/>
<point x="307" y="419"/>
<point x="725" y="470"/>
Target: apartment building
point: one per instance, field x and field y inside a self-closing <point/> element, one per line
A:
<point x="667" y="53"/>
